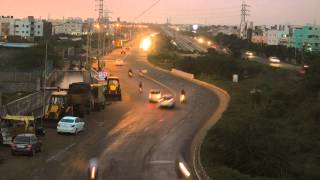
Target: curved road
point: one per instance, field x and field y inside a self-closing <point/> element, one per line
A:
<point x="132" y="139"/>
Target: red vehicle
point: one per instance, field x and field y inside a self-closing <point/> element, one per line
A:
<point x="26" y="144"/>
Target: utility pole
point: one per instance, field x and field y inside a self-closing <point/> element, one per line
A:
<point x="243" y="24"/>
<point x="99" y="8"/>
<point x="45" y="80"/>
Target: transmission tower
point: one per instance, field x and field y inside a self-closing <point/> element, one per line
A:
<point x="99" y="8"/>
<point x="243" y="24"/>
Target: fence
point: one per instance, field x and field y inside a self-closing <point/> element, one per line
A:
<point x="33" y="103"/>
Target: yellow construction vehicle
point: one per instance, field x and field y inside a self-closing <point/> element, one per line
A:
<point x="58" y="106"/>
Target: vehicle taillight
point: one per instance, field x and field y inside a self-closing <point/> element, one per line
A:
<point x="29" y="146"/>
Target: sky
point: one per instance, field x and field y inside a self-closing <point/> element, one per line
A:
<point x="269" y="12"/>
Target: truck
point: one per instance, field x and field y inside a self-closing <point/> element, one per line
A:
<point x="98" y="93"/>
<point x="81" y="98"/>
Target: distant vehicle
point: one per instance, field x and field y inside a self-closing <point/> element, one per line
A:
<point x="70" y="124"/>
<point x="123" y="52"/>
<point x="274" y="59"/>
<point x="113" y="88"/>
<point x="167" y="101"/>
<point x="249" y="54"/>
<point x="26" y="143"/>
<point x="119" y="62"/>
<point x="119" y="43"/>
<point x="154" y="95"/>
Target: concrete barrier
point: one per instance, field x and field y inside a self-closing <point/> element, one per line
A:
<point x="182" y="74"/>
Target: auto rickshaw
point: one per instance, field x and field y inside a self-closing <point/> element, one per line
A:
<point x="113" y="88"/>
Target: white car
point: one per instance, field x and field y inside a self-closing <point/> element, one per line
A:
<point x="167" y="101"/>
<point x="154" y="95"/>
<point x="274" y="60"/>
<point x="119" y="62"/>
<point x="70" y="124"/>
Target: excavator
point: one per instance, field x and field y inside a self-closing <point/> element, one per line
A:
<point x="58" y="106"/>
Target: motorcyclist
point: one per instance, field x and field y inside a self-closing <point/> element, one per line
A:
<point x="182" y="96"/>
<point x="93" y="168"/>
<point x="130" y="73"/>
<point x="140" y="87"/>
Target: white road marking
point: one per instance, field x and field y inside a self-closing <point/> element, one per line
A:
<point x="55" y="156"/>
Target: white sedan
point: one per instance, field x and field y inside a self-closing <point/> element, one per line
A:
<point x="119" y="62"/>
<point x="154" y="95"/>
<point x="70" y="124"/>
<point x="274" y="60"/>
<point x="167" y="101"/>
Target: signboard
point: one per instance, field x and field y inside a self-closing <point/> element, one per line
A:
<point x="102" y="75"/>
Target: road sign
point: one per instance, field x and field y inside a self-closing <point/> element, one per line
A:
<point x="102" y="75"/>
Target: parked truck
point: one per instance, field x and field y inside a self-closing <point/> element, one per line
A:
<point x="98" y="93"/>
<point x="81" y="98"/>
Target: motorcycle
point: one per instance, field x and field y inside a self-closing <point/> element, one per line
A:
<point x="130" y="74"/>
<point x="93" y="169"/>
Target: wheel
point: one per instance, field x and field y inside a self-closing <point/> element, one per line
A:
<point x="33" y="152"/>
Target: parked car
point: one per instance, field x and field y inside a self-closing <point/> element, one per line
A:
<point x="274" y="60"/>
<point x="167" y="101"/>
<point x="26" y="143"/>
<point x="70" y="124"/>
<point x="154" y="95"/>
<point x="119" y="62"/>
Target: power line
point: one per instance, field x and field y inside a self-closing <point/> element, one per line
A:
<point x="145" y="11"/>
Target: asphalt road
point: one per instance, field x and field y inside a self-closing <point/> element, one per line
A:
<point x="277" y="65"/>
<point x="132" y="139"/>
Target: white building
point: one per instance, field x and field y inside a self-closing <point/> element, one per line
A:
<point x="28" y="27"/>
<point x="70" y="26"/>
<point x="278" y="36"/>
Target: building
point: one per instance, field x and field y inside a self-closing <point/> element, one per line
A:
<point x="5" y="22"/>
<point x="30" y="28"/>
<point x="70" y="26"/>
<point x="278" y="35"/>
<point x="306" y="38"/>
<point x="228" y="30"/>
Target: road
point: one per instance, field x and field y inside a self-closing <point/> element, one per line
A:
<point x="132" y="139"/>
<point x="184" y="42"/>
<point x="278" y="65"/>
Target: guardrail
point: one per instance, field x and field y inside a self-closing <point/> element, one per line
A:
<point x="182" y="74"/>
